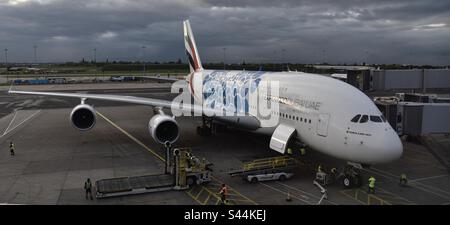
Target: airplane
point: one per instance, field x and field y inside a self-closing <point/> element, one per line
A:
<point x="325" y="114"/>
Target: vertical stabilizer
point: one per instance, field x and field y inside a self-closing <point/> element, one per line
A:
<point x="191" y="48"/>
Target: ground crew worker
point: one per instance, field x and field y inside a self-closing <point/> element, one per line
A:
<point x="319" y="169"/>
<point x="403" y="180"/>
<point x="289" y="151"/>
<point x="223" y="194"/>
<point x="88" y="188"/>
<point x="11" y="148"/>
<point x="302" y="151"/>
<point x="372" y="185"/>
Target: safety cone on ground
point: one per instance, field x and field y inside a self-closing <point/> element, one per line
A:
<point x="288" y="197"/>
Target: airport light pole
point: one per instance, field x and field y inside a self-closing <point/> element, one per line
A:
<point x="143" y="59"/>
<point x="95" y="62"/>
<point x="95" y="55"/>
<point x="35" y="53"/>
<point x="323" y="56"/>
<point x="6" y="64"/>
<point x="224" y="50"/>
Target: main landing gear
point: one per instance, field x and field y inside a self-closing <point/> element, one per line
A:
<point x="206" y="129"/>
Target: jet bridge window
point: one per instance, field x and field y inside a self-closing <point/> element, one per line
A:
<point x="364" y="119"/>
<point x="356" y="118"/>
<point x="375" y="119"/>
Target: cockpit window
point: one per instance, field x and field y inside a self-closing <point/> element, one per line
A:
<point x="356" y="118"/>
<point x="364" y="119"/>
<point x="375" y="119"/>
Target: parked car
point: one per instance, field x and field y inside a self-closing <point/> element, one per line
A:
<point x="117" y="78"/>
<point x="269" y="176"/>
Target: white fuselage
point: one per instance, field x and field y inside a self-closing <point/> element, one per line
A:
<point x="320" y="109"/>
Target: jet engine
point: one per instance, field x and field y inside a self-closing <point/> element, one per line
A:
<point x="163" y="128"/>
<point x="83" y="117"/>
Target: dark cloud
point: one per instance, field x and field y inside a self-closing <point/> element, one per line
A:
<point x="404" y="31"/>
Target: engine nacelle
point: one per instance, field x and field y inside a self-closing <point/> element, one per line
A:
<point x="164" y="128"/>
<point x="83" y="117"/>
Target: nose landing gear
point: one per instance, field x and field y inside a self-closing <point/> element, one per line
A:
<point x="349" y="176"/>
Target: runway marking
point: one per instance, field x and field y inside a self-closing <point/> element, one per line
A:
<point x="305" y="192"/>
<point x="131" y="137"/>
<point x="416" y="184"/>
<point x="430" y="189"/>
<point x="382" y="197"/>
<point x="28" y="118"/>
<point x="427" y="178"/>
<point x="285" y="193"/>
<point x="12" y="120"/>
<point x="188" y="192"/>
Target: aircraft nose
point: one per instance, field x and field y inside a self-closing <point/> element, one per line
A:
<point x="391" y="146"/>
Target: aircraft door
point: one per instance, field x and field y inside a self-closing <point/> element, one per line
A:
<point x="322" y="124"/>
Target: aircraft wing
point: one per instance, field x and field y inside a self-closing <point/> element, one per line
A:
<point x="117" y="98"/>
<point x="188" y="108"/>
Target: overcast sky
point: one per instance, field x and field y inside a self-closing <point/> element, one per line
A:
<point x="309" y="31"/>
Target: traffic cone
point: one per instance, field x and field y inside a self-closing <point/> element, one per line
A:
<point x="288" y="197"/>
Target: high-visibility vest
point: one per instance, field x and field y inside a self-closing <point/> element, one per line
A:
<point x="289" y="151"/>
<point x="87" y="185"/>
<point x="11" y="146"/>
<point x="302" y="151"/>
<point x="372" y="182"/>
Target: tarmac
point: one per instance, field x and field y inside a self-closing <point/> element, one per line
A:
<point x="53" y="159"/>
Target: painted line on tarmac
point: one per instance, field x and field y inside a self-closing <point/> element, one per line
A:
<point x="427" y="178"/>
<point x="416" y="185"/>
<point x="285" y="193"/>
<point x="431" y="189"/>
<point x="28" y="118"/>
<point x="131" y="137"/>
<point x="305" y="192"/>
<point x="12" y="120"/>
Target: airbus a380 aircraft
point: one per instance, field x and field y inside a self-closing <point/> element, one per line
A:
<point x="326" y="114"/>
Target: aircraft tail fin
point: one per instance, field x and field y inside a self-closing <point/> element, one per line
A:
<point x="191" y="48"/>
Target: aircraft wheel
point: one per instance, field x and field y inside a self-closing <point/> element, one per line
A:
<point x="347" y="182"/>
<point x="190" y="181"/>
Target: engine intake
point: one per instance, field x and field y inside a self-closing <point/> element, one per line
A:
<point x="83" y="117"/>
<point x="164" y="128"/>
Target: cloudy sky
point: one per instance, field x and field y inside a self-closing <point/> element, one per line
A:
<point x="309" y="31"/>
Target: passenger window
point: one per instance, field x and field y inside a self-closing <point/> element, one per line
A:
<point x="375" y="119"/>
<point x="356" y="118"/>
<point x="309" y="121"/>
<point x="364" y="119"/>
